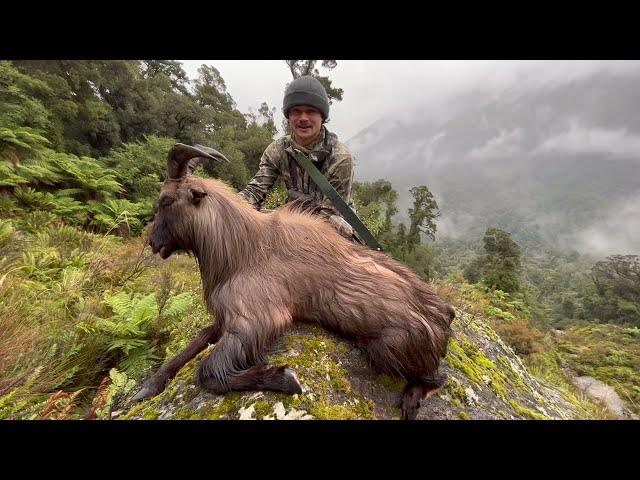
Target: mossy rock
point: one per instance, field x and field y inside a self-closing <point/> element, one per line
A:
<point x="486" y="380"/>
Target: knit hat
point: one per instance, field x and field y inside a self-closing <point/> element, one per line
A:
<point x="306" y="90"/>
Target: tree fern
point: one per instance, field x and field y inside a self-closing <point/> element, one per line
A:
<point x="33" y="222"/>
<point x="21" y="142"/>
<point x="116" y="215"/>
<point x="33" y="199"/>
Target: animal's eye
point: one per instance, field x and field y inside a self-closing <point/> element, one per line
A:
<point x="166" y="201"/>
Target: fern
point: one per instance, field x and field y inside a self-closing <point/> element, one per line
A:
<point x="9" y="177"/>
<point x="121" y="303"/>
<point x="6" y="232"/>
<point x="31" y="198"/>
<point x="71" y="210"/>
<point x="178" y="305"/>
<point x="135" y="321"/>
<point x="33" y="222"/>
<point x="16" y="402"/>
<point x="16" y="143"/>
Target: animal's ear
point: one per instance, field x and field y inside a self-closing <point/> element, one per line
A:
<point x="183" y="159"/>
<point x="197" y="196"/>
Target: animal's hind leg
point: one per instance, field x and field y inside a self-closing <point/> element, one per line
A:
<point x="159" y="380"/>
<point x="415" y="391"/>
<point x="232" y="366"/>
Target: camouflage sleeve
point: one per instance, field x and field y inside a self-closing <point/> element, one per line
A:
<point x="256" y="190"/>
<point x="340" y="176"/>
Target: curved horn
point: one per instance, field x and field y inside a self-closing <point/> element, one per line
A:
<point x="183" y="159"/>
<point x="214" y="153"/>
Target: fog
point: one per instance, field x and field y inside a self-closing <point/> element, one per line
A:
<point x="558" y="142"/>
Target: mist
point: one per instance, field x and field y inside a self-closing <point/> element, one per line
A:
<point x="554" y="144"/>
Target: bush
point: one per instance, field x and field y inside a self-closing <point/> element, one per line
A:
<point x="519" y="335"/>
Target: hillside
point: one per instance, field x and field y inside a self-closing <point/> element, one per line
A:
<point x="549" y="162"/>
<point x="66" y="358"/>
<point x="87" y="312"/>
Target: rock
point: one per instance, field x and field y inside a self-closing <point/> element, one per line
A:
<point x="486" y="380"/>
<point x="605" y="394"/>
<point x="246" y="413"/>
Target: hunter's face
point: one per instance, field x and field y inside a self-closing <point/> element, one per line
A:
<point x="305" y="122"/>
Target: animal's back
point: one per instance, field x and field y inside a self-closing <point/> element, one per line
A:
<point x="366" y="295"/>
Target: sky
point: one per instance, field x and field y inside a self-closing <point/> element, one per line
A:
<point x="375" y="89"/>
<point x="410" y="92"/>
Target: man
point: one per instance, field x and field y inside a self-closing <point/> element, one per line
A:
<point x="306" y="106"/>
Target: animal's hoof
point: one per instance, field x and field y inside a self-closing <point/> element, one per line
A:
<point x="143" y="394"/>
<point x="292" y="382"/>
<point x="409" y="414"/>
<point x="410" y="407"/>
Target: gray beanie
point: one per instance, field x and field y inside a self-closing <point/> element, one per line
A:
<point x="306" y="90"/>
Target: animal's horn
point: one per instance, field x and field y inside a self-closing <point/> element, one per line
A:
<point x="185" y="158"/>
<point x="214" y="153"/>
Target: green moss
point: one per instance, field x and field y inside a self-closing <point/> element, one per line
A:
<point x="469" y="359"/>
<point x="457" y="392"/>
<point x="185" y="414"/>
<point x="526" y="412"/>
<point x="134" y="412"/>
<point x="325" y="411"/>
<point x="150" y="415"/>
<point x="392" y="384"/>
<point x="263" y="408"/>
<point x="464" y="416"/>
<point x="316" y="362"/>
<point x="609" y="353"/>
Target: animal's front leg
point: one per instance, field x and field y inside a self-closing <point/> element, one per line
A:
<point x="229" y="368"/>
<point x="159" y="380"/>
<point x="415" y="391"/>
<point x="235" y="363"/>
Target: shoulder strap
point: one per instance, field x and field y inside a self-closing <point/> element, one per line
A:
<point x="348" y="214"/>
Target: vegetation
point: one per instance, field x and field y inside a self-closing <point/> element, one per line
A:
<point x="86" y="311"/>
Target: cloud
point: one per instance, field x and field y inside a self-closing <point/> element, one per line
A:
<point x="618" y="232"/>
<point x="584" y="140"/>
<point x="408" y="91"/>
<point x="506" y="144"/>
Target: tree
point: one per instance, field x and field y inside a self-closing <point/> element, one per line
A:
<point x="619" y="275"/>
<point x="381" y="192"/>
<point x="170" y="69"/>
<point x="473" y="271"/>
<point x="616" y="295"/>
<point x="24" y="121"/>
<point x="422" y="215"/>
<point x="501" y="264"/>
<point x="300" y="68"/>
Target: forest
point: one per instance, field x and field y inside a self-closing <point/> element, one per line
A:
<point x="86" y="310"/>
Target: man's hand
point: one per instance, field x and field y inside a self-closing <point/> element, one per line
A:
<point x="342" y="226"/>
<point x="295" y="194"/>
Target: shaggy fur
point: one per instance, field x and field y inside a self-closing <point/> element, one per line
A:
<point x="263" y="272"/>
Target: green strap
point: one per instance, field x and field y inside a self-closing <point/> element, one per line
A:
<point x="348" y="214"/>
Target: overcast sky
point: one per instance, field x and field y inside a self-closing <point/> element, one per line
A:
<point x="404" y="89"/>
<point x="416" y="93"/>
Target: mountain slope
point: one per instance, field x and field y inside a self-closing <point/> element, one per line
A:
<point x="558" y="162"/>
<point x="486" y="380"/>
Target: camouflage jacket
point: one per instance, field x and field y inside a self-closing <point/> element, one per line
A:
<point x="328" y="154"/>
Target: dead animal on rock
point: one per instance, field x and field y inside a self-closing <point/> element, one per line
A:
<point x="263" y="272"/>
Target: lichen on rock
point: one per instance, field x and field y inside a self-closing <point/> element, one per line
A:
<point x="486" y="380"/>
